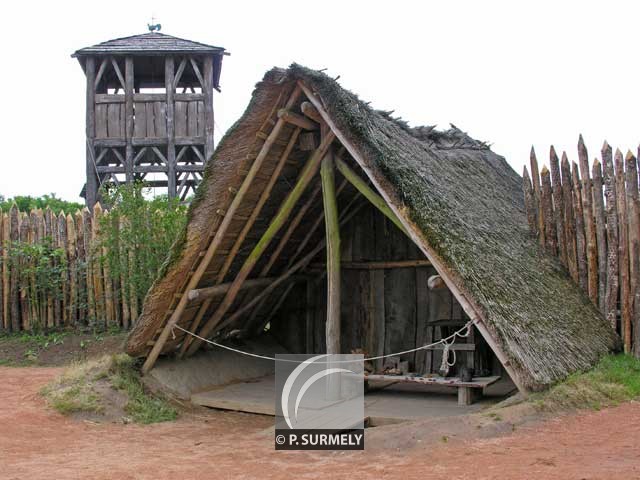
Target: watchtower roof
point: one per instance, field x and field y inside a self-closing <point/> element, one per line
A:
<point x="152" y="43"/>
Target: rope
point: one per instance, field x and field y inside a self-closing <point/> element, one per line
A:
<point x="451" y="338"/>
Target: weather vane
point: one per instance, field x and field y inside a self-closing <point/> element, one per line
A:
<point x="154" y="27"/>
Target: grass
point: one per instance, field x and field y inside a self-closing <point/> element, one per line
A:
<point x="615" y="379"/>
<point x="75" y="391"/>
<point x="142" y="408"/>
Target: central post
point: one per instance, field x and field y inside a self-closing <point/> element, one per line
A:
<point x="332" y="232"/>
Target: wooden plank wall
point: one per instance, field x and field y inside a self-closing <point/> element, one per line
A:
<point x="150" y="119"/>
<point x="383" y="311"/>
<point x="590" y="220"/>
<point x="84" y="292"/>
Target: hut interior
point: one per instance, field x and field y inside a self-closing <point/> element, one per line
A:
<point x="372" y="291"/>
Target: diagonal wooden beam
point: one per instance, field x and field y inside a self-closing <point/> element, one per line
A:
<point x="285" y="238"/>
<point x="368" y="193"/>
<point x="196" y="70"/>
<point x="308" y="172"/>
<point x="101" y="70"/>
<point x="178" y="76"/>
<point x="299" y="265"/>
<point x="348" y="213"/>
<point x="241" y="237"/>
<point x="118" y="73"/>
<point x="218" y="237"/>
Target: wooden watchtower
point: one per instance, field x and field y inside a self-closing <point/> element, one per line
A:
<point x="149" y="111"/>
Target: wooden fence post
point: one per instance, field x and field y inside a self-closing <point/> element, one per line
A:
<point x="81" y="268"/>
<point x="601" y="233"/>
<point x="558" y="205"/>
<point x="633" y="215"/>
<point x="623" y="249"/>
<point x="546" y="200"/>
<point x="569" y="217"/>
<point x="98" y="280"/>
<point x="14" y="236"/>
<point x="611" y="296"/>
<point x="535" y="177"/>
<point x="529" y="202"/>
<point x="589" y="227"/>
<point x="73" y="270"/>
<point x="580" y="239"/>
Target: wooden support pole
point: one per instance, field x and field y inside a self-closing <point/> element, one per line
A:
<point x="558" y="215"/>
<point x="368" y="193"/>
<point x="219" y="235"/>
<point x="128" y="112"/>
<point x="569" y="218"/>
<point x="601" y="233"/>
<point x="297" y="120"/>
<point x="91" y="188"/>
<point x="332" y="235"/>
<point x="332" y="231"/>
<point x="308" y="172"/>
<point x="589" y="227"/>
<point x="207" y="90"/>
<point x="169" y="66"/>
<point x="623" y="250"/>
<point x="611" y="295"/>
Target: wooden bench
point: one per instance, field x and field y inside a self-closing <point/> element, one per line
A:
<point x="468" y="392"/>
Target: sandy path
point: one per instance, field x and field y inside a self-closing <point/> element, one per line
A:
<point x="37" y="443"/>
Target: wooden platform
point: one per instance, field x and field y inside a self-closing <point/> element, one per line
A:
<point x="467" y="391"/>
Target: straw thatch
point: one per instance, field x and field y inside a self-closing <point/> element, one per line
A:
<point x="462" y="204"/>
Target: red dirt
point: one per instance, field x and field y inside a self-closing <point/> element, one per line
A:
<point x="36" y="442"/>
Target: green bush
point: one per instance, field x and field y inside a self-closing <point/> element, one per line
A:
<point x="137" y="235"/>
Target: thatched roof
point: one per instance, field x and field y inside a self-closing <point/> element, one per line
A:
<point x="461" y="203"/>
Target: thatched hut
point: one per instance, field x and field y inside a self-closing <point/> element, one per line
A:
<point x="426" y="231"/>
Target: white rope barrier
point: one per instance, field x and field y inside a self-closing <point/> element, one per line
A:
<point x="447" y="342"/>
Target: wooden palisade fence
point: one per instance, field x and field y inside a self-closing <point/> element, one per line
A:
<point x="54" y="273"/>
<point x="589" y="217"/>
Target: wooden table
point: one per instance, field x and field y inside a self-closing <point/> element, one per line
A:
<point x="467" y="391"/>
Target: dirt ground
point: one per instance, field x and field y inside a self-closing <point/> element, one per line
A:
<point x="36" y="442"/>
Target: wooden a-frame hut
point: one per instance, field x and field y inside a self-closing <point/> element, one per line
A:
<point x="337" y="227"/>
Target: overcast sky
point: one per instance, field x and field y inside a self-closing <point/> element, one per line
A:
<point x="505" y="72"/>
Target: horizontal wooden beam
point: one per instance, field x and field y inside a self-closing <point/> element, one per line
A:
<point x="297" y="120"/>
<point x="147" y="141"/>
<point x="222" y="288"/>
<point x="103" y="98"/>
<point x="382" y="265"/>
<point x="312" y="112"/>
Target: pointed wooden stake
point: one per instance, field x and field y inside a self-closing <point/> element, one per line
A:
<point x="611" y="294"/>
